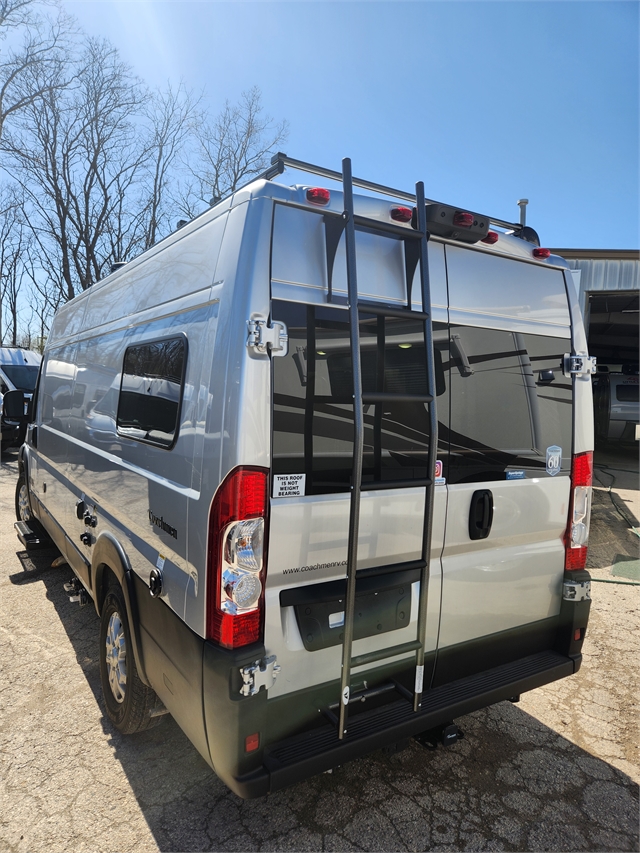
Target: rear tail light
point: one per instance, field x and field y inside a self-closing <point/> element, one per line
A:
<point x="318" y="195"/>
<point x="577" y="533"/>
<point x="491" y="238"/>
<point x="235" y="559"/>
<point x="401" y="214"/>
<point x="462" y="219"/>
<point x="541" y="254"/>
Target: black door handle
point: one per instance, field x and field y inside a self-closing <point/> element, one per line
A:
<point x="480" y="514"/>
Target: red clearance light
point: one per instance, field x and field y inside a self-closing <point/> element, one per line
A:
<point x="317" y="195"/>
<point x="240" y="497"/>
<point x="462" y="219"/>
<point x="252" y="742"/>
<point x="541" y="254"/>
<point x="577" y="532"/>
<point x="491" y="238"/>
<point x="401" y="214"/>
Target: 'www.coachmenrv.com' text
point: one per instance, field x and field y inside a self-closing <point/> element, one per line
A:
<point x="313" y="568"/>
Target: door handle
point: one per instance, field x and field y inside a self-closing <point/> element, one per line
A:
<point x="481" y="514"/>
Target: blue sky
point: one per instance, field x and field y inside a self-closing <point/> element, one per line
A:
<point x="486" y="102"/>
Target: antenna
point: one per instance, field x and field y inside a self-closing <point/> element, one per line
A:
<point x="522" y="204"/>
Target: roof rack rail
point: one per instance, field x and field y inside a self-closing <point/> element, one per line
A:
<point x="280" y="161"/>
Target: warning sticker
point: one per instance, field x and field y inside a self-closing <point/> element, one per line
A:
<point x="288" y="485"/>
<point x="440" y="480"/>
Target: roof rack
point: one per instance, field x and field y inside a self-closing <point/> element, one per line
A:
<point x="280" y="161"/>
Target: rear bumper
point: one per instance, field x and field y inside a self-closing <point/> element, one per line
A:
<point x="296" y="758"/>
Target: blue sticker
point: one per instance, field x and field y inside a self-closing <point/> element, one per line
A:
<point x="515" y="475"/>
<point x="554" y="459"/>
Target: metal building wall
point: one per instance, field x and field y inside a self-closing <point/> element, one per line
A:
<point x="605" y="275"/>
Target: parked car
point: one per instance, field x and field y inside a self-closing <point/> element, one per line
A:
<point x="18" y="371"/>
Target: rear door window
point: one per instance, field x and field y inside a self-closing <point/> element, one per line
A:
<point x="313" y="425"/>
<point x="510" y="404"/>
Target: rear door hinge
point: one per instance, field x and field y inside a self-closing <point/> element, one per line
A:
<point x="577" y="365"/>
<point x="265" y="338"/>
<point x="260" y="674"/>
<point x="576" y="590"/>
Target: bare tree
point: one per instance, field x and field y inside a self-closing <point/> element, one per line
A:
<point x="13" y="242"/>
<point x="38" y="43"/>
<point x="231" y="149"/>
<point x="172" y="116"/>
<point x="78" y="158"/>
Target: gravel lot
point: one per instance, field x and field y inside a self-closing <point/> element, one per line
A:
<point x="558" y="771"/>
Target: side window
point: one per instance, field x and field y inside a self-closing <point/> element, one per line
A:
<point x="313" y="424"/>
<point x="151" y="391"/>
<point x="510" y="403"/>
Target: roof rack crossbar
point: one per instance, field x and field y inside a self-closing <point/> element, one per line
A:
<point x="280" y="161"/>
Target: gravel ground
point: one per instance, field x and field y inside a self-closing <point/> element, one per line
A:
<point x="558" y="771"/>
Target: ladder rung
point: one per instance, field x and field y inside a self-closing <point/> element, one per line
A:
<point x="382" y="654"/>
<point x="389" y="311"/>
<point x="394" y="484"/>
<point x="387" y="397"/>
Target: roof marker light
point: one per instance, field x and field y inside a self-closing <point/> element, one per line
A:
<point x="318" y="195"/>
<point x="541" y="254"/>
<point x="491" y="238"/>
<point x="462" y="219"/>
<point x="401" y="214"/>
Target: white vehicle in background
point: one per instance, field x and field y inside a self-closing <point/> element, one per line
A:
<point x="18" y="372"/>
<point x="322" y="463"/>
<point x="616" y="404"/>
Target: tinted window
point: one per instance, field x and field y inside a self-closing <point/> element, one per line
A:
<point x="627" y="393"/>
<point x="23" y="376"/>
<point x="510" y="402"/>
<point x="313" y="408"/>
<point x="151" y="391"/>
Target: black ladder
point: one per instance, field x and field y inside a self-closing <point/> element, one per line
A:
<point x="415" y="245"/>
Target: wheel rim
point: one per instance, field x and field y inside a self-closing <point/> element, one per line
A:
<point x="23" y="503"/>
<point x="116" y="657"/>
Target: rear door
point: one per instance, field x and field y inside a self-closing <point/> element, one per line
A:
<point x="510" y="445"/>
<point x="312" y="455"/>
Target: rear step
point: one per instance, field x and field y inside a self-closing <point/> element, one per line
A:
<point x="31" y="538"/>
<point x="313" y="752"/>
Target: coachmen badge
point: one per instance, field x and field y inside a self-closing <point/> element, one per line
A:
<point x="554" y="459"/>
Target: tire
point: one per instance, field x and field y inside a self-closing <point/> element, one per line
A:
<point x="127" y="699"/>
<point x="23" y="506"/>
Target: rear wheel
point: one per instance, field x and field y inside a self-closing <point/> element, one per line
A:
<point x="128" y="700"/>
<point x="23" y="507"/>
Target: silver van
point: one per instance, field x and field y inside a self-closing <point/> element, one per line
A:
<point x="302" y="556"/>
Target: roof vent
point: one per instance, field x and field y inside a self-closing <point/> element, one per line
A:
<point x="116" y="265"/>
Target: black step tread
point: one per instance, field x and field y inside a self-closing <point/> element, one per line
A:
<point x="324" y="739"/>
<point x="32" y="534"/>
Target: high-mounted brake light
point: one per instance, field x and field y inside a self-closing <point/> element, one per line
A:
<point x="462" y="219"/>
<point x="235" y="559"/>
<point x="541" y="254"/>
<point x="401" y="214"/>
<point x="491" y="238"/>
<point x="577" y="532"/>
<point x="318" y="195"/>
